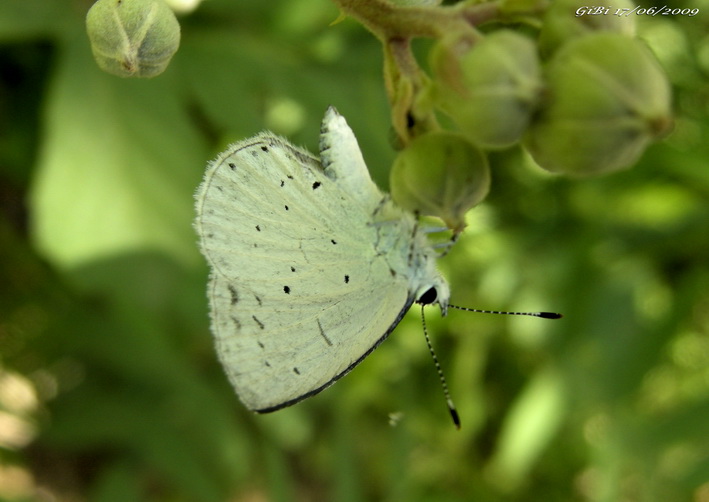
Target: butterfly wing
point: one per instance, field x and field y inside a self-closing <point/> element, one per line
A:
<point x="299" y="292"/>
<point x="342" y="160"/>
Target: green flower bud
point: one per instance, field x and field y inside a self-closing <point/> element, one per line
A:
<point x="132" y="38"/>
<point x="569" y="19"/>
<point x="608" y="99"/>
<point x="440" y="174"/>
<point x="489" y="89"/>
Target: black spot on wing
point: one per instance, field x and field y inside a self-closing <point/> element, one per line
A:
<point x="347" y="279"/>
<point x="316" y="185"/>
<point x="286" y="290"/>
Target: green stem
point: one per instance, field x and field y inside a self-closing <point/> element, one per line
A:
<point x="389" y="21"/>
<point x="395" y="26"/>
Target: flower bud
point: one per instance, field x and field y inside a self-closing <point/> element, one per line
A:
<point x="489" y="89"/>
<point x="440" y="174"/>
<point x="569" y="19"/>
<point x="608" y="99"/>
<point x="132" y="38"/>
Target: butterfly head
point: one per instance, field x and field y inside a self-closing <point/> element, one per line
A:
<point x="436" y="292"/>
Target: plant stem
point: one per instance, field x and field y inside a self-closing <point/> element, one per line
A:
<point x="388" y="21"/>
<point x="395" y="26"/>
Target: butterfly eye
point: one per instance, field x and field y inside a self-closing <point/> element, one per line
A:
<point x="428" y="297"/>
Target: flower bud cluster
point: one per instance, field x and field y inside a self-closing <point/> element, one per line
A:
<point x="585" y="97"/>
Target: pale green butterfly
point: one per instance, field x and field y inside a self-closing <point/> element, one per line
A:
<point x="312" y="266"/>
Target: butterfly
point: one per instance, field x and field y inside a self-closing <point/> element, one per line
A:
<point x="312" y="265"/>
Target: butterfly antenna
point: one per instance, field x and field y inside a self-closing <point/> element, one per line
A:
<point x="543" y="315"/>
<point x="444" y="384"/>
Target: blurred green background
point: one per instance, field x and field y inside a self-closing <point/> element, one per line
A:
<point x="109" y="386"/>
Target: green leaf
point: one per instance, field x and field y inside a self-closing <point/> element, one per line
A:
<point x="27" y="19"/>
<point x="119" y="165"/>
